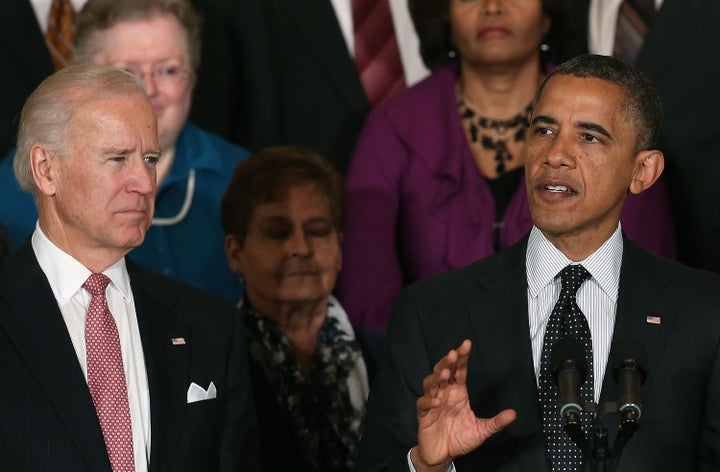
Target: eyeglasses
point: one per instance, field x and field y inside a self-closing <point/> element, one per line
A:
<point x="165" y="76"/>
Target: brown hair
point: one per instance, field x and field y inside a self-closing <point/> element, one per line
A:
<point x="266" y="176"/>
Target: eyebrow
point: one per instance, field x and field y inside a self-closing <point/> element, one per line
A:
<point x="126" y="151"/>
<point x="594" y="127"/>
<point x="586" y="125"/>
<point x="116" y="151"/>
<point x="543" y="119"/>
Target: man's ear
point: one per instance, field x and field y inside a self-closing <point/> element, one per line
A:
<point x="44" y="165"/>
<point x="648" y="167"/>
<point x="233" y="251"/>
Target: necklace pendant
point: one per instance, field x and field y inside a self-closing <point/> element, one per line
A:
<point x="473" y="133"/>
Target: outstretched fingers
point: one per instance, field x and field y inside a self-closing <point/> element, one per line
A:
<point x="490" y="426"/>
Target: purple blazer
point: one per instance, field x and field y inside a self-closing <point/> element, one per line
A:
<point x="418" y="205"/>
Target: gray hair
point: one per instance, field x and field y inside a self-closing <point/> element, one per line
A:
<point x="99" y="15"/>
<point x="47" y="112"/>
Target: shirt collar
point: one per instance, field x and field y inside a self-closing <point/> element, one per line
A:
<point x="66" y="274"/>
<point x="192" y="151"/>
<point x="544" y="261"/>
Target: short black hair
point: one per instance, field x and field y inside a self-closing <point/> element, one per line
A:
<point x="642" y="103"/>
<point x="268" y="174"/>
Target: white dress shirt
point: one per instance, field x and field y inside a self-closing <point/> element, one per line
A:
<point x="407" y="39"/>
<point x="597" y="298"/>
<point x="42" y="10"/>
<point x="602" y="21"/>
<point x="66" y="276"/>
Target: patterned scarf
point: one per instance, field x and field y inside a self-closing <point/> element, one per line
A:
<point x="327" y="423"/>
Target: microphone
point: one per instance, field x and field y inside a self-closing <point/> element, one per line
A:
<point x="629" y="374"/>
<point x="569" y="373"/>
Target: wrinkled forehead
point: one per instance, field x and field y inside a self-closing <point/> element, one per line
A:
<point x="129" y="115"/>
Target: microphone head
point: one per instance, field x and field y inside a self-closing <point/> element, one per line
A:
<point x="631" y="357"/>
<point x="568" y="353"/>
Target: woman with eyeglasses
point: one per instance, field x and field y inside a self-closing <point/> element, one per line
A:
<point x="158" y="42"/>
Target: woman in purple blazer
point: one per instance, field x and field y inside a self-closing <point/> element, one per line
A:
<point x="437" y="178"/>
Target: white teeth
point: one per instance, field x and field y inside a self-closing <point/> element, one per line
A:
<point x="557" y="188"/>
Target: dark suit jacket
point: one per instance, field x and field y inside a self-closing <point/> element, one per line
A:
<point x="49" y="421"/>
<point x="487" y="303"/>
<point x="679" y="56"/>
<point x="24" y="62"/>
<point x="279" y="72"/>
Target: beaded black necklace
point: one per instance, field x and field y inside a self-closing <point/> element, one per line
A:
<point x="476" y="122"/>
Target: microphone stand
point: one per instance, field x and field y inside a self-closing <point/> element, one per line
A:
<point x="596" y="449"/>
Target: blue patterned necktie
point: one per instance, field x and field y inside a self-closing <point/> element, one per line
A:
<point x="566" y="320"/>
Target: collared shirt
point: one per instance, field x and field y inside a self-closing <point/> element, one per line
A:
<point x="192" y="250"/>
<point x="165" y="248"/>
<point x="42" y="10"/>
<point x="407" y="39"/>
<point x="597" y="297"/>
<point x="602" y="22"/>
<point x="66" y="276"/>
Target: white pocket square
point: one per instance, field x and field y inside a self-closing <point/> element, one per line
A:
<point x="196" y="393"/>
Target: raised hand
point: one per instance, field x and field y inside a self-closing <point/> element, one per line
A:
<point x="447" y="426"/>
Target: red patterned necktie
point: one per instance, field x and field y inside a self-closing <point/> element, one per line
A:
<point x="377" y="56"/>
<point x="106" y="376"/>
<point x="634" y="20"/>
<point x="60" y="32"/>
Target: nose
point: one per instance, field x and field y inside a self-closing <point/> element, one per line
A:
<point x="298" y="244"/>
<point x="560" y="154"/>
<point x="142" y="177"/>
<point x="149" y="84"/>
<point x="493" y="7"/>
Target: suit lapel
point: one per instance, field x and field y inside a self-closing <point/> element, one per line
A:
<point x="317" y="23"/>
<point x="166" y="365"/>
<point x="35" y="326"/>
<point x="643" y="319"/>
<point x="501" y="341"/>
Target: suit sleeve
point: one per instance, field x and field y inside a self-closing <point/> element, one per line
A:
<point x="391" y="422"/>
<point x="710" y="434"/>
<point x="240" y="447"/>
<point x="372" y="272"/>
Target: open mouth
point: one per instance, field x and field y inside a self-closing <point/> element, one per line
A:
<point x="558" y="189"/>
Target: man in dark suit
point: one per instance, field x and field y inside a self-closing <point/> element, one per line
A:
<point x="25" y="60"/>
<point x="280" y="72"/>
<point x="143" y="373"/>
<point x="676" y="55"/>
<point x="590" y="141"/>
<point x="287" y="77"/>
